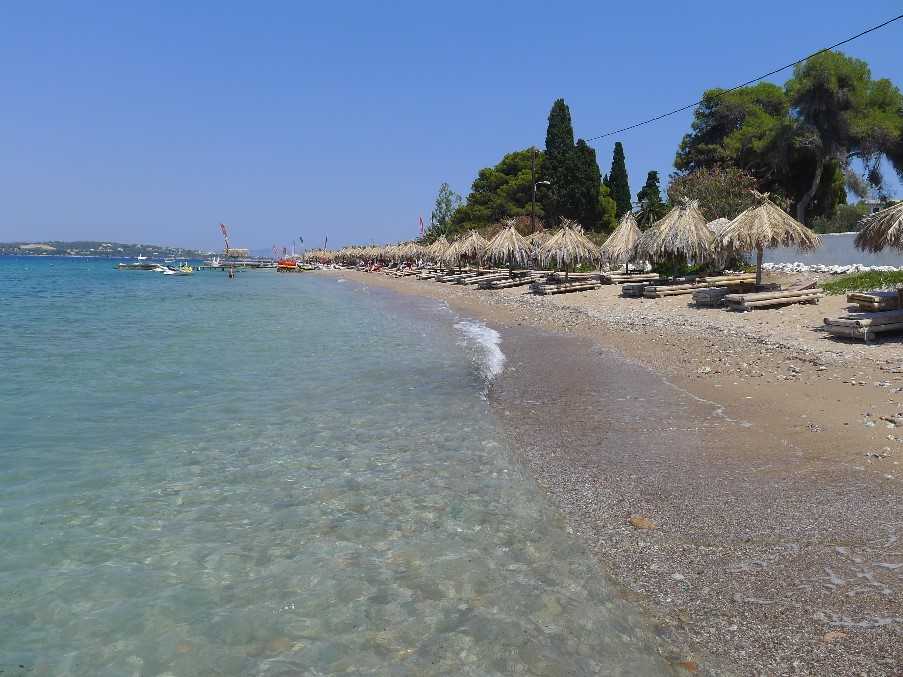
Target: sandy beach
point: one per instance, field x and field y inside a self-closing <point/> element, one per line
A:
<point x="739" y="475"/>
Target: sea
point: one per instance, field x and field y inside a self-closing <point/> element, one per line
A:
<point x="276" y="474"/>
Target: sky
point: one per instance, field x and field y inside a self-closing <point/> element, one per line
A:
<point x="154" y="122"/>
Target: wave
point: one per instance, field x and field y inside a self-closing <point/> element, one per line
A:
<point x="484" y="342"/>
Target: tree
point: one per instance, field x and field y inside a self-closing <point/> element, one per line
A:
<point x="447" y="201"/>
<point x="843" y="115"/>
<point x="559" y="161"/>
<point x="650" y="200"/>
<point x="585" y="189"/>
<point x="499" y="192"/>
<point x="845" y="219"/>
<point x="801" y="141"/>
<point x="617" y="180"/>
<point x="607" y="208"/>
<point x="721" y="191"/>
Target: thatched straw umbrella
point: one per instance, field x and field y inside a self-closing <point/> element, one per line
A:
<point x="681" y="233"/>
<point x="437" y="248"/>
<point x="569" y="246"/>
<point x="621" y="244"/>
<point x="471" y="246"/>
<point x="510" y="247"/>
<point x="766" y="225"/>
<point x="882" y="229"/>
<point x="410" y="251"/>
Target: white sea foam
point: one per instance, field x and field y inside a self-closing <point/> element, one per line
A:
<point x="484" y="342"/>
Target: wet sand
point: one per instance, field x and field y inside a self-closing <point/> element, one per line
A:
<point x="764" y="488"/>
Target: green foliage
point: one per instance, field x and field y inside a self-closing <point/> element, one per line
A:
<point x="559" y="161"/>
<point x="863" y="282"/>
<point x="743" y="127"/>
<point x="798" y="142"/>
<point x="650" y="200"/>
<point x="585" y="189"/>
<point x="500" y="192"/>
<point x="575" y="189"/>
<point x="447" y="201"/>
<point x="845" y="219"/>
<point x="618" y="182"/>
<point x="721" y="191"/>
<point x="608" y="209"/>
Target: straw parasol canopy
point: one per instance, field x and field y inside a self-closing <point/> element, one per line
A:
<point x="569" y="246"/>
<point x="621" y="244"/>
<point x="470" y="246"/>
<point x="766" y="225"/>
<point x="410" y="251"/>
<point x="510" y="247"/>
<point x="882" y="229"/>
<point x="437" y="248"/>
<point x="682" y="232"/>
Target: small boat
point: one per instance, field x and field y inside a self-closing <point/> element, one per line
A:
<point x="287" y="266"/>
<point x="181" y="270"/>
<point x="137" y="265"/>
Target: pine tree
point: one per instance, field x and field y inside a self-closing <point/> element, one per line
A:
<point x="586" y="187"/>
<point x="650" y="200"/>
<point x="558" y="163"/>
<point x="617" y="180"/>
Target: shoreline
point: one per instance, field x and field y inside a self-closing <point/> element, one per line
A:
<point x="766" y="501"/>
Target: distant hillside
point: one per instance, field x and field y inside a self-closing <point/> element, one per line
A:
<point x="93" y="248"/>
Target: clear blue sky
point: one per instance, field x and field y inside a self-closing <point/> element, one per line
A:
<point x="155" y="123"/>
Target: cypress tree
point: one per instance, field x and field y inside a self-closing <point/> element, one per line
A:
<point x="650" y="198"/>
<point x="558" y="161"/>
<point x="587" y="187"/>
<point x="617" y="180"/>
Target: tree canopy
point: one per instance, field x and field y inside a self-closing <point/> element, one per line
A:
<point x="575" y="184"/>
<point x="800" y="141"/>
<point x="722" y="191"/>
<point x="447" y="201"/>
<point x="618" y="182"/>
<point x="499" y="192"/>
<point x="651" y="206"/>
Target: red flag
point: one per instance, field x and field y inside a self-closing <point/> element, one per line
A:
<point x="421" y="226"/>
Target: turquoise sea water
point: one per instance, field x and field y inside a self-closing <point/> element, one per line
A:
<point x="273" y="475"/>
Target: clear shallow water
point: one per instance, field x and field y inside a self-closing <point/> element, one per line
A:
<point x="275" y="475"/>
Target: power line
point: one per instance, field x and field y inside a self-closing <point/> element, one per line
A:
<point x="749" y="82"/>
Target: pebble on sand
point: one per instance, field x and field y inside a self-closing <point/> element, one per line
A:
<point x="640" y="522"/>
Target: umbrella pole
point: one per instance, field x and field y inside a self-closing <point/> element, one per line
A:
<point x="759" y="255"/>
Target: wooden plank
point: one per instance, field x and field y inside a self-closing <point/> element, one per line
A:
<point x="767" y="296"/>
<point x="765" y="303"/>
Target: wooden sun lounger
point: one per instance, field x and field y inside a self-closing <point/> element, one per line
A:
<point x="556" y="276"/>
<point x="510" y="282"/>
<point x="864" y="325"/>
<point x="485" y="278"/>
<point x="772" y="299"/>
<point x="714" y="296"/>
<point x="457" y="277"/>
<point x="878" y="300"/>
<point x="658" y="291"/>
<point x="545" y="289"/>
<point x="625" y="278"/>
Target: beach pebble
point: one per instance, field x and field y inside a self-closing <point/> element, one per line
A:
<point x="640" y="522"/>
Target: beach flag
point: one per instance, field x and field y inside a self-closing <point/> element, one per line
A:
<point x="300" y="239"/>
<point x="421" y="226"/>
